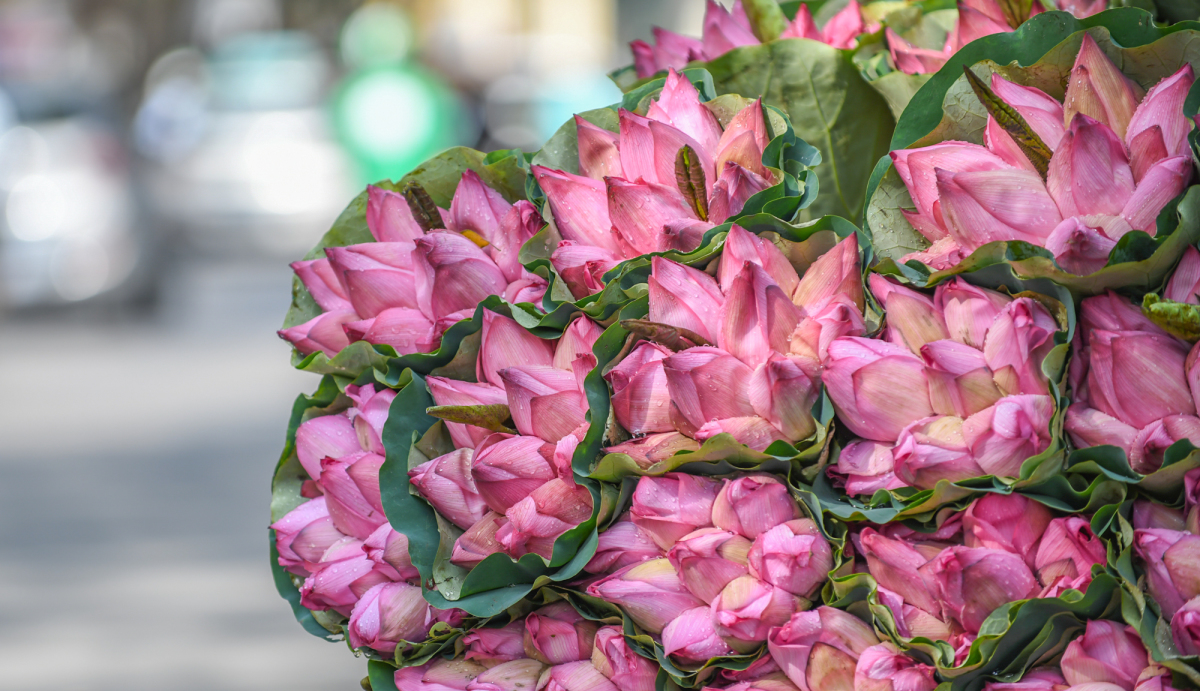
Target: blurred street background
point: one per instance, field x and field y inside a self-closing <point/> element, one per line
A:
<point x="160" y="163"/>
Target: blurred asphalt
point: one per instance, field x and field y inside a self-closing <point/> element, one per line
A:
<point x="135" y="462"/>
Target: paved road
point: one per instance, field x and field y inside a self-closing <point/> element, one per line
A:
<point x="135" y="457"/>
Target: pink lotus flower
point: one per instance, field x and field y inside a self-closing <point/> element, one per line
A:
<point x="970" y="583"/>
<point x="536" y="521"/>
<point x="303" y="536"/>
<point x="454" y="392"/>
<point x="1185" y="627"/>
<point x="641" y="402"/>
<point x="746" y="609"/>
<point x="1171" y="560"/>
<point x="1184" y="285"/>
<point x="650" y="592"/>
<point x="504" y="343"/>
<point x="507" y="468"/>
<point x="575" y="676"/>
<point x="1107" y="652"/>
<point x="753" y="504"/>
<point x="819" y="649"/>
<point x="883" y="668"/>
<point x="652" y="448"/>
<point x="389" y="550"/>
<point x="622" y="544"/>
<point x="708" y="559"/>
<point x="691" y="637"/>
<point x="493" y="646"/>
<point x="408" y="286"/>
<point x="545" y="402"/>
<point x="864" y="467"/>
<point x="440" y="675"/>
<point x="556" y="634"/>
<point x="515" y="675"/>
<point x="879" y="388"/>
<point x="1010" y="522"/>
<point x="388" y="614"/>
<point x="479" y="541"/>
<point x="613" y="658"/>
<point x="896" y="566"/>
<point x="1044" y="679"/>
<point x="342" y="576"/>
<point x="671" y="506"/>
<point x="447" y="484"/>
<point x="1067" y="552"/>
<point x="794" y="556"/>
<point x="993" y="193"/>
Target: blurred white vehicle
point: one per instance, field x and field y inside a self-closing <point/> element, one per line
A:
<point x="241" y="156"/>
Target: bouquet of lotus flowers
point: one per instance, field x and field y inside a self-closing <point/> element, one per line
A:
<point x="636" y="412"/>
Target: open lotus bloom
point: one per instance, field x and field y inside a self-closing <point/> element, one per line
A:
<point x="513" y="493"/>
<point x="740" y="354"/>
<point x="1135" y="385"/>
<point x="1117" y="157"/>
<point x="423" y="272"/>
<point x="726" y="29"/>
<point x="954" y="389"/>
<point x="657" y="185"/>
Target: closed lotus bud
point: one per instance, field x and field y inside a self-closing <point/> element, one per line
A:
<point x="650" y="592"/>
<point x="447" y="484"/>
<point x="747" y="608"/>
<point x="652" y="448"/>
<point x="912" y="622"/>
<point x="912" y="318"/>
<point x="708" y="559"/>
<point x="884" y="668"/>
<point x="866" y="467"/>
<point x="773" y="682"/>
<point x="389" y="550"/>
<point x="574" y="676"/>
<point x="1011" y="522"/>
<point x="1090" y="427"/>
<point x="932" y="450"/>
<point x="328" y="436"/>
<point x="1154" y="678"/>
<point x="493" y="646"/>
<point x="752" y="430"/>
<point x="1003" y="435"/>
<point x="879" y="388"/>
<point x="706" y="384"/>
<point x="504" y="343"/>
<point x="835" y="274"/>
<point x="323" y="333"/>
<point x="536" y="521"/>
<point x="369" y="414"/>
<point x="453" y="392"/>
<point x="968" y="310"/>
<point x="972" y="582"/>
<point x="389" y="217"/>
<point x="545" y="402"/>
<point x="303" y="535"/>
<point x="514" y="675"/>
<point x="453" y="274"/>
<point x="692" y="638"/>
<point x="622" y="544"/>
<point x="1152" y="515"/>
<point x="753" y="504"/>
<point x="388" y="614"/>
<point x="507" y="468"/>
<point x="673" y="505"/>
<point x="895" y="565"/>
<point x="1045" y="679"/>
<point x="1107" y="652"/>
<point x="520" y="223"/>
<point x="641" y="401"/>
<point x="742" y="246"/>
<point x="340" y="579"/>
<point x="627" y="670"/>
<point x="783" y="394"/>
<point x="1017" y="342"/>
<point x="757" y="319"/>
<point x="479" y="541"/>
<point x="582" y="267"/>
<point x="733" y="188"/>
<point x="1068" y="550"/>
<point x="793" y="556"/>
<point x="684" y="297"/>
<point x="351" y="487"/>
<point x="1184" y="285"/>
<point x="821" y="325"/>
<point x="440" y="675"/>
<point x="1185" y="628"/>
<point x="1150" y="444"/>
<point x="960" y="381"/>
<point x="1172" y="563"/>
<point x="1138" y="377"/>
<point x="819" y="649"/>
<point x="556" y="634"/>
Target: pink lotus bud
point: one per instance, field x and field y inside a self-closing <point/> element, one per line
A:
<point x="387" y="614"/>
<point x="1162" y="108"/>
<point x="1098" y="89"/>
<point x="517" y="225"/>
<point x="1106" y="652"/>
<point x="753" y="504"/>
<point x="878" y="387"/>
<point x="773" y="682"/>
<point x="684" y="297"/>
<point x="793" y="556"/>
<point x="640" y="399"/>
<point x="1090" y="427"/>
<point x="342" y="576"/>
<point x="556" y="634"/>
<point x="652" y="448"/>
<point x="322" y="283"/>
<point x="968" y="310"/>
<point x="723" y="32"/>
<point x="1068" y="550"/>
<point x="883" y="668"/>
<point x="545" y="402"/>
<point x="389" y="550"/>
<point x="447" y="484"/>
<point x="917" y="167"/>
<point x="818" y="649"/>
<point x="707" y="384"/>
<point x="322" y="333"/>
<point x="1010" y="522"/>
<point x="650" y="592"/>
<point x="493" y="646"/>
<point x="835" y="274"/>
<point x="622" y="544"/>
<point x="376" y="276"/>
<point x="577" y="341"/>
<point x="1185" y="628"/>
<point x="1172" y="562"/>
<point x="514" y="675"/>
<point x="598" y="154"/>
<point x="507" y="468"/>
<point x="454" y="392"/>
<point x="678" y="105"/>
<point x="753" y="431"/>
<point x="303" y="535"/>
<point x="911" y="621"/>
<point x="639" y="210"/>
<point x="692" y="638"/>
<point x="1152" y="515"/>
<point x="1150" y="444"/>
<point x="960" y="382"/>
<point x="440" y="675"/>
<point x="574" y="676"/>
<point x="406" y="330"/>
<point x="582" y="267"/>
<point x="505" y="343"/>
<point x="932" y="450"/>
<point x="994" y="205"/>
<point x="867" y="467"/>
<point x="1081" y="248"/>
<point x="971" y="582"/>
<point x="1137" y="376"/>
<point x="742" y="246"/>
<point x="453" y="274"/>
<point x="708" y="559"/>
<point x="389" y="217"/>
<point x="1019" y="338"/>
<point x="369" y="414"/>
<point x="757" y="318"/>
<point x="1089" y="142"/>
<point x="1045" y="679"/>
<point x="626" y="669"/>
<point x="1184" y="285"/>
<point x="351" y="487"/>
<point x="746" y="609"/>
<point x="737" y="183"/>
<point x="895" y="565"/>
<point x="1002" y="436"/>
<point x="580" y="208"/>
<point x="910" y="59"/>
<point x="673" y="505"/>
<point x="537" y="520"/>
<point x="476" y="207"/>
<point x="913" y="319"/>
<point x="479" y="542"/>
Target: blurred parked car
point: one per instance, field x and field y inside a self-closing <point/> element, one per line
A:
<point x="239" y="150"/>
